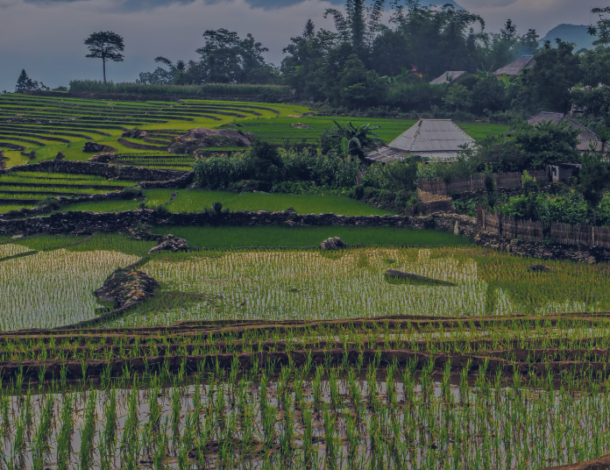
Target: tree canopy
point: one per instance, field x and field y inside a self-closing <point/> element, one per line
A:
<point x="105" y="45"/>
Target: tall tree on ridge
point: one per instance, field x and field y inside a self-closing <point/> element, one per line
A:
<point x="359" y="25"/>
<point x="105" y="45"/>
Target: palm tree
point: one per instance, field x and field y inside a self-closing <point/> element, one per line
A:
<point x="352" y="140"/>
<point x="178" y="70"/>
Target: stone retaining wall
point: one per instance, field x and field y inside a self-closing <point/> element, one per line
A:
<point x="178" y="183"/>
<point x="101" y="169"/>
<point x="88" y="222"/>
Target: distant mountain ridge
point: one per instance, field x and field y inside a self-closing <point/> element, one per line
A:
<point x="576" y="34"/>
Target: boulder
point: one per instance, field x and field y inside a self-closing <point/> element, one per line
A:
<point x="32" y="155"/>
<point x="170" y="243"/>
<point x="135" y="133"/>
<point x="102" y="158"/>
<point x="60" y="156"/>
<point x="539" y="268"/>
<point x="201" y="138"/>
<point x="127" y="287"/>
<point x="94" y="147"/>
<point x="334" y="243"/>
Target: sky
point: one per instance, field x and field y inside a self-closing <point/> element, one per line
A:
<point x="45" y="37"/>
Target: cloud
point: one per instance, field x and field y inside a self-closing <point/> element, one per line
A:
<point x="487" y="3"/>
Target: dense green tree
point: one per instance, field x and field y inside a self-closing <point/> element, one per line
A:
<point x="358" y="25"/>
<point x="25" y="83"/>
<point x="391" y="54"/>
<point x="305" y="62"/>
<point x="458" y="98"/>
<point x="556" y="71"/>
<point x="226" y="58"/>
<point x="439" y="38"/>
<point x="105" y="45"/>
<point x="594" y="179"/>
<point x="601" y="30"/>
<point x="488" y="94"/>
<point x="546" y="143"/>
<point x="595" y="65"/>
<point x="360" y="88"/>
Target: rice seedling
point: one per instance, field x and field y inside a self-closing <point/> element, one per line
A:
<point x="297" y="359"/>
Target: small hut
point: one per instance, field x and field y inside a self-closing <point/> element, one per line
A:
<point x="586" y="138"/>
<point x="432" y="138"/>
<point x="448" y="77"/>
<point x="516" y="67"/>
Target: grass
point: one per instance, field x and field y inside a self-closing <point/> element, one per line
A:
<point x="280" y="129"/>
<point x="12" y="207"/>
<point x="230" y="237"/>
<point x="196" y="201"/>
<point x="103" y="206"/>
<point x="114" y="242"/>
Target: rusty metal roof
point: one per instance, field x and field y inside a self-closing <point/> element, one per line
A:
<point x="515" y="68"/>
<point x="447" y="77"/>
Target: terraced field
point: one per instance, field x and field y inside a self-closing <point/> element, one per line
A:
<point x="27" y="188"/>
<point x="301" y="359"/>
<point x="48" y="125"/>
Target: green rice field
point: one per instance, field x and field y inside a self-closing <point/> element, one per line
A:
<point x="301" y="358"/>
<point x="256" y="349"/>
<point x="48" y="125"/>
<point x="232" y="237"/>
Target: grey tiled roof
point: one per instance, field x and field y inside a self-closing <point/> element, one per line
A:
<point x="447" y="77"/>
<point x="432" y="138"/>
<point x="515" y="68"/>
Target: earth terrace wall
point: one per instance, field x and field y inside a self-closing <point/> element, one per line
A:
<point x="101" y="169"/>
<point x="152" y="97"/>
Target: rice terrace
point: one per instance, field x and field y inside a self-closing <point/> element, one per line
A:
<point x="390" y="251"/>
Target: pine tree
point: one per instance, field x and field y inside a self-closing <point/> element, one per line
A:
<point x="25" y="83"/>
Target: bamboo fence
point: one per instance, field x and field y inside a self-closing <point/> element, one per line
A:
<point x="475" y="183"/>
<point x="564" y="234"/>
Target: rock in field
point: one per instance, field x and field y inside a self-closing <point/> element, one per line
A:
<point x="334" y="243"/>
<point x="94" y="147"/>
<point x="538" y="268"/>
<point x="126" y="287"/>
<point x="60" y="156"/>
<point x="201" y="138"/>
<point x="170" y="243"/>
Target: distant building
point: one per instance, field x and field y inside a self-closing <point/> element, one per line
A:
<point x="516" y="67"/>
<point x="431" y="138"/>
<point x="448" y="77"/>
<point x="586" y="136"/>
<point x="562" y="171"/>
